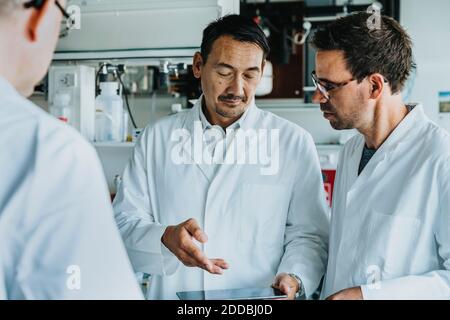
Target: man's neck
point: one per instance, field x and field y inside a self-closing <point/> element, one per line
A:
<point x="386" y="118"/>
<point x="8" y="63"/>
<point x="12" y="57"/>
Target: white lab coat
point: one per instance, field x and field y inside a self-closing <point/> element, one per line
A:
<point x="260" y="224"/>
<point x="390" y="227"/>
<point x="58" y="238"/>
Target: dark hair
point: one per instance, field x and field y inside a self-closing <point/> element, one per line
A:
<point x="238" y="27"/>
<point x="385" y="48"/>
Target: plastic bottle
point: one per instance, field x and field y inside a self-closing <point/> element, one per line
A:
<point x="100" y="123"/>
<point x="126" y="118"/>
<point x="61" y="107"/>
<point x="109" y="114"/>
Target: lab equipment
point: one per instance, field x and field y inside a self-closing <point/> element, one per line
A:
<point x="109" y="114"/>
<point x="126" y="117"/>
<point x="137" y="17"/>
<point x="61" y="107"/>
<point x="117" y="71"/>
<point x="77" y="84"/>
<point x="169" y="73"/>
<point x="136" y="134"/>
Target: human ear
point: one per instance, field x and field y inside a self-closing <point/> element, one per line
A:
<point x="197" y="65"/>
<point x="377" y="84"/>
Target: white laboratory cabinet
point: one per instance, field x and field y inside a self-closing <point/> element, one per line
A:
<point x="137" y="28"/>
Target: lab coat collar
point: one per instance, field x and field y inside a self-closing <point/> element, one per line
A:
<point x="402" y="133"/>
<point x="6" y="88"/>
<point x="248" y="120"/>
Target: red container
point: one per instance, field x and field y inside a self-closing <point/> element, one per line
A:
<point x="328" y="182"/>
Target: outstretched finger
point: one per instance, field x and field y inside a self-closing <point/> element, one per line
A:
<point x="194" y="230"/>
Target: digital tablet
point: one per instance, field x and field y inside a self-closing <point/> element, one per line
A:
<point x="234" y="294"/>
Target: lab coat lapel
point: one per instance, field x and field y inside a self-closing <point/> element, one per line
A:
<point x="375" y="171"/>
<point x="353" y="162"/>
<point x="193" y="147"/>
<point x="404" y="132"/>
<point x="377" y="159"/>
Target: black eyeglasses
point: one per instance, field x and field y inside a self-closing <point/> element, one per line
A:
<point x="38" y="4"/>
<point x="326" y="86"/>
<point x="63" y="11"/>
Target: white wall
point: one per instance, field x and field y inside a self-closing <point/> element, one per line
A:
<point x="428" y="24"/>
<point x="229" y="6"/>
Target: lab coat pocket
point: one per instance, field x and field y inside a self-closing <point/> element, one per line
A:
<point x="262" y="214"/>
<point x="394" y="238"/>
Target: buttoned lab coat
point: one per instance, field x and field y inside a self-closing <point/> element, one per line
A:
<point x="58" y="238"/>
<point x="390" y="226"/>
<point x="261" y="222"/>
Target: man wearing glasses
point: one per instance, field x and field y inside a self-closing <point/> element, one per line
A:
<point x="58" y="238"/>
<point x="390" y="222"/>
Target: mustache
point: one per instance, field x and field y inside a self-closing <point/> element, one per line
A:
<point x="232" y="97"/>
<point x="327" y="107"/>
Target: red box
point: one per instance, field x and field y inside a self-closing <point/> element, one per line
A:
<point x="328" y="182"/>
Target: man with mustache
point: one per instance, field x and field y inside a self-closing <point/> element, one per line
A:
<point x="193" y="216"/>
<point x="390" y="221"/>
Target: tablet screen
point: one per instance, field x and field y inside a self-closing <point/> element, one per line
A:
<point x="233" y="294"/>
